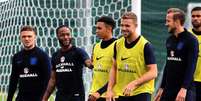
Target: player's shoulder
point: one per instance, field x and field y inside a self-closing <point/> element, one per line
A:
<point x="120" y="39"/>
<point x="114" y="40"/>
<point x="79" y="50"/>
<point x="190" y="37"/>
<point x="170" y="38"/>
<point x="41" y="51"/>
<point x="56" y="53"/>
<point x="97" y="44"/>
<point x="18" y="54"/>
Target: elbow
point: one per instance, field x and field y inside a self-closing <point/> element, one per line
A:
<point x="155" y="75"/>
<point x="155" y="72"/>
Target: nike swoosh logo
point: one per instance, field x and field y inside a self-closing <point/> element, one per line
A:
<point x="122" y="59"/>
<point x="98" y="58"/>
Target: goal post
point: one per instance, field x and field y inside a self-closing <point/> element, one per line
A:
<point x="136" y="8"/>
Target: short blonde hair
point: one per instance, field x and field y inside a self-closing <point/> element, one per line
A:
<point x="130" y="15"/>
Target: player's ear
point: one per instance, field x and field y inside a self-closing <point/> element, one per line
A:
<point x="177" y="22"/>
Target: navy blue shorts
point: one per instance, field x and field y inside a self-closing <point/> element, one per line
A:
<point x="70" y="97"/>
<point x="171" y="95"/>
<point x="28" y="98"/>
<point x="139" y="97"/>
<point x="198" y="90"/>
<point x="103" y="99"/>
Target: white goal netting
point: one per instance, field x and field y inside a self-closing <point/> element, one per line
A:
<point x="46" y="16"/>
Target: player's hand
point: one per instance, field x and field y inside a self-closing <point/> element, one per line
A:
<point x="181" y="96"/>
<point x="93" y="96"/>
<point x="110" y="96"/>
<point x="158" y="95"/>
<point x="129" y="88"/>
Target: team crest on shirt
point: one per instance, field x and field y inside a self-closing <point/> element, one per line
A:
<point x="172" y="53"/>
<point x="172" y="57"/>
<point x="62" y="59"/>
<point x="180" y="45"/>
<point x="27" y="74"/>
<point x="126" y="66"/>
<point x="33" y="61"/>
<point x="126" y="69"/>
<point x="61" y="67"/>
<point x="26" y="70"/>
<point x="99" y="66"/>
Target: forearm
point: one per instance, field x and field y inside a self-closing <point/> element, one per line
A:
<point x="49" y="90"/>
<point x="149" y="75"/>
<point x="11" y="91"/>
<point x="188" y="78"/>
<point x="46" y="69"/>
<point x="46" y="73"/>
<point x="112" y="77"/>
<point x="191" y="65"/>
<point x="12" y="85"/>
<point x="103" y="89"/>
<point x="163" y="83"/>
<point x="50" y="87"/>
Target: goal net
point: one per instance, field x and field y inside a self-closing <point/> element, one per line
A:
<point x="46" y="16"/>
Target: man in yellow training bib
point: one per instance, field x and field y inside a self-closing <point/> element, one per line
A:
<point x="134" y="68"/>
<point x="103" y="53"/>
<point x="196" y="30"/>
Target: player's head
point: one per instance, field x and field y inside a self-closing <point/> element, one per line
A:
<point x="64" y="35"/>
<point x="128" y="24"/>
<point x="196" y="17"/>
<point x="28" y="37"/>
<point x="175" y="18"/>
<point x="104" y="27"/>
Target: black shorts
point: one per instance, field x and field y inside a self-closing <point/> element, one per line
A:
<point x="139" y="97"/>
<point x="198" y="90"/>
<point x="170" y="95"/>
<point x="103" y="99"/>
<point x="28" y="98"/>
<point x="70" y="97"/>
